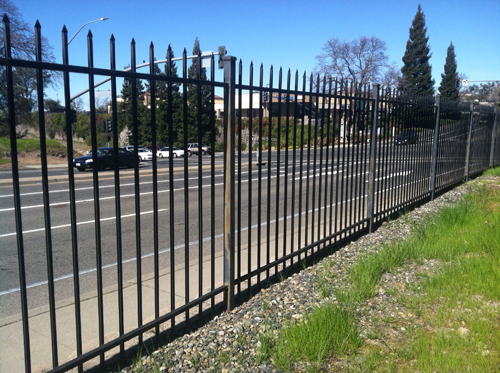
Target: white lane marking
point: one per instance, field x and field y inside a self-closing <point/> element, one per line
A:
<point x="163" y="191"/>
<point x="79" y="223"/>
<point x="405" y="173"/>
<point x="315" y="175"/>
<point x="104" y="219"/>
<point x="100" y="198"/>
<point x="113" y="197"/>
<point x="100" y="187"/>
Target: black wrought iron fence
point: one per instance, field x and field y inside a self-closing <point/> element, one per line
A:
<point x="131" y="255"/>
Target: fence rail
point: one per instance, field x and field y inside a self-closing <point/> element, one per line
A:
<point x="324" y="160"/>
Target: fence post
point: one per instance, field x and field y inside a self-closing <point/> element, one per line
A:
<point x="230" y="172"/>
<point x="467" y="154"/>
<point x="432" y="185"/>
<point x="493" y="138"/>
<point x="373" y="145"/>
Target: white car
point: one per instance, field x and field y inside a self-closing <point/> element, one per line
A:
<point x="145" y="155"/>
<point x="165" y="152"/>
<point x="130" y="148"/>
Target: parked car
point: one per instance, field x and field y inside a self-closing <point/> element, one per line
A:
<point x="105" y="159"/>
<point x="193" y="148"/>
<point x="158" y="148"/>
<point x="165" y="152"/>
<point x="407" y="137"/>
<point x="130" y="148"/>
<point x="145" y="154"/>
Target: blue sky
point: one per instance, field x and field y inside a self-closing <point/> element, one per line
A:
<point x="287" y="34"/>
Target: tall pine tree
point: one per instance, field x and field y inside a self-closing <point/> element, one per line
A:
<point x="417" y="72"/>
<point x="169" y="117"/>
<point x="198" y="97"/>
<point x="125" y="112"/>
<point x="448" y="87"/>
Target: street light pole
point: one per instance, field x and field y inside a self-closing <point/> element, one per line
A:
<point x="100" y="19"/>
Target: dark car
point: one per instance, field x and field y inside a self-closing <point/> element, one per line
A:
<point x="407" y="137"/>
<point x="105" y="159"/>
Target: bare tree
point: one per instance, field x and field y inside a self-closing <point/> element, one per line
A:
<point x="392" y="76"/>
<point x="361" y="61"/>
<point x="462" y="77"/>
<point x="494" y="97"/>
<point x="78" y="105"/>
<point x="23" y="47"/>
<point x="101" y="104"/>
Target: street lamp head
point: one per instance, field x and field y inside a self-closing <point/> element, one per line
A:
<point x="100" y="19"/>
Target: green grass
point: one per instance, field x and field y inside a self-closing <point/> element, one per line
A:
<point x="325" y="331"/>
<point x="460" y="304"/>
<point x="30" y="145"/>
<point x="493" y="171"/>
<point x="466" y="238"/>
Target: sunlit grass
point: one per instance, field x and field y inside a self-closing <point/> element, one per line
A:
<point x="460" y="304"/>
<point x="327" y="330"/>
<point x="31" y="145"/>
<point x="493" y="171"/>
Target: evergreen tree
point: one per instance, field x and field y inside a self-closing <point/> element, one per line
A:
<point x="125" y="112"/>
<point x="448" y="87"/>
<point x="417" y="72"/>
<point x="198" y="94"/>
<point x="149" y="103"/>
<point x="166" y="121"/>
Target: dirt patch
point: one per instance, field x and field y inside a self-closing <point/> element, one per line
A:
<point x="34" y="159"/>
<point x="493" y="187"/>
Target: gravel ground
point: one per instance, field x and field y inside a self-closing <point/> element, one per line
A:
<point x="229" y="342"/>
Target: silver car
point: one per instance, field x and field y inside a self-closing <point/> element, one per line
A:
<point x="205" y="149"/>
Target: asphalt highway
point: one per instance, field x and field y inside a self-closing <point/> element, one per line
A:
<point x="311" y="185"/>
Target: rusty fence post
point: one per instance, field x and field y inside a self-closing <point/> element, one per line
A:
<point x="229" y="177"/>
<point x="432" y="186"/>
<point x="469" y="140"/>
<point x="493" y="138"/>
<point x="373" y="146"/>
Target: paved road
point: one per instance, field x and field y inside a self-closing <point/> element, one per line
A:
<point x="303" y="179"/>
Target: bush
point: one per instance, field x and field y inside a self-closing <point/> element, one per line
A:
<point x="219" y="147"/>
<point x="51" y="132"/>
<point x="101" y="140"/>
<point x="264" y="146"/>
